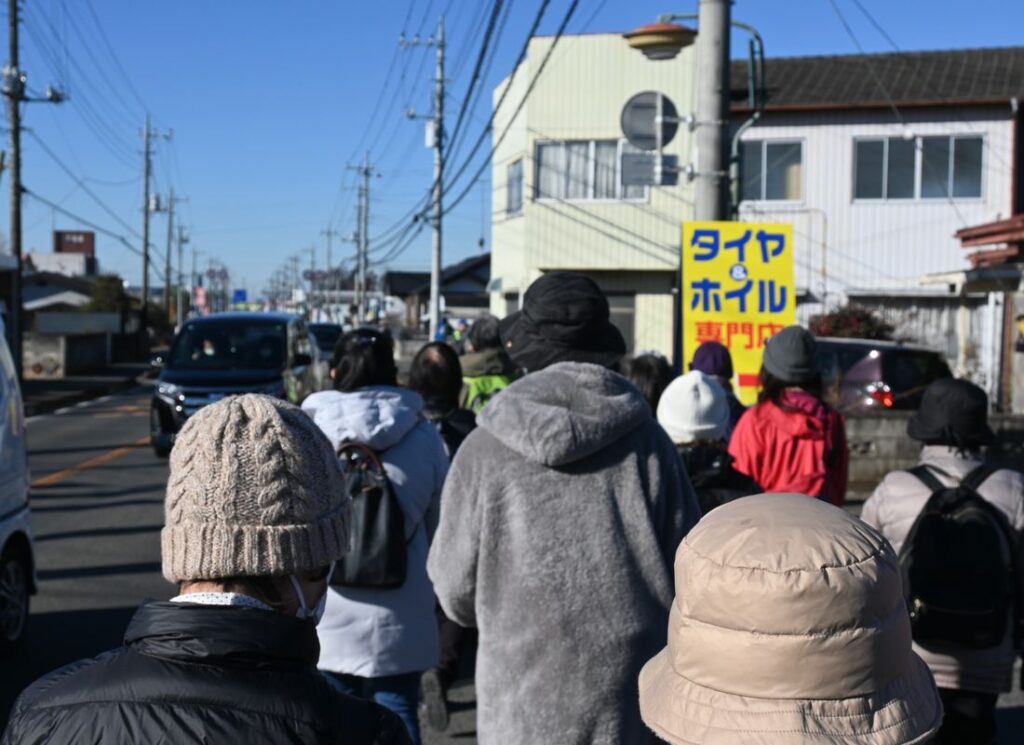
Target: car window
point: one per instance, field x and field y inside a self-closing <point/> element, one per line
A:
<point x="909" y="370"/>
<point x="327" y="335"/>
<point x="230" y="345"/>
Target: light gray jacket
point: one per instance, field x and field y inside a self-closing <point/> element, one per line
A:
<point x="892" y="510"/>
<point x="559" y="523"/>
<point x="373" y="633"/>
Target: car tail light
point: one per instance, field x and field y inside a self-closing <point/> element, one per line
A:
<point x="882" y="394"/>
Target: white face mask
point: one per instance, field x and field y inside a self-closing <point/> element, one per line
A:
<point x="316" y="613"/>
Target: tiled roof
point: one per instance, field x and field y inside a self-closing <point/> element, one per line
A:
<point x="921" y="78"/>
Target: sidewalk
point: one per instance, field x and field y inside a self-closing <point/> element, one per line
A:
<point x="45" y="396"/>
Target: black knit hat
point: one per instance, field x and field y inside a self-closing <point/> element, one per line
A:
<point x="954" y="413"/>
<point x="565" y="318"/>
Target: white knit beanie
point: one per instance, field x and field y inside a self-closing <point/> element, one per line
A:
<point x="255" y="490"/>
<point x="694" y="407"/>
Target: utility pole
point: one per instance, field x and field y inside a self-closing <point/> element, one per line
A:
<point x="712" y="137"/>
<point x="439" y="136"/>
<point x="14" y="80"/>
<point x="146" y="168"/>
<point x="364" y="238"/>
<point x="195" y="276"/>
<point x="147" y="208"/>
<point x="331" y="276"/>
<point x="437" y="140"/>
<point x="180" y="313"/>
<point x="366" y="171"/>
<point x="167" y="255"/>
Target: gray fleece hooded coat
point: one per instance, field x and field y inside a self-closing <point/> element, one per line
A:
<point x="560" y="519"/>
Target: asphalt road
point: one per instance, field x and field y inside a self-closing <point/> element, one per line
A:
<point x="97" y="510"/>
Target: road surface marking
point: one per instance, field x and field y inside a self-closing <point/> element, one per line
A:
<point x="126" y="410"/>
<point x="99" y="460"/>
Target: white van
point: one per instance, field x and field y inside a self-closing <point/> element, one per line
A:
<point x="17" y="574"/>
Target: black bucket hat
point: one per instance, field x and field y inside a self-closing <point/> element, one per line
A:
<point x="565" y="318"/>
<point x="954" y="413"/>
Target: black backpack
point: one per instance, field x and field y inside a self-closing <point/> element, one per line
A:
<point x="377" y="554"/>
<point x="960" y="565"/>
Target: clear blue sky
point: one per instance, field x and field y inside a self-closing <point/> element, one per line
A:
<point x="270" y="100"/>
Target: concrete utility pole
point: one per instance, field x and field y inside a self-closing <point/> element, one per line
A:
<point x="366" y="171"/>
<point x="14" y="80"/>
<point x="167" y="255"/>
<point x="180" y="311"/>
<point x="14" y="90"/>
<point x="146" y="168"/>
<point x="438" y="142"/>
<point x="439" y="136"/>
<point x="712" y="136"/>
<point x="331" y="285"/>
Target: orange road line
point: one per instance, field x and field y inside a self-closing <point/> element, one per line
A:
<point x="99" y="460"/>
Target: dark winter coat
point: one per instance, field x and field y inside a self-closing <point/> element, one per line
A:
<point x="200" y="674"/>
<point x="560" y="520"/>
<point x="714" y="479"/>
<point x="454" y="425"/>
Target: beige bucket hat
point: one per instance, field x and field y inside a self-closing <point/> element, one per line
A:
<point x="789" y="626"/>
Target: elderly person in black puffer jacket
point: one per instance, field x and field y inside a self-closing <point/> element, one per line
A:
<point x="256" y="517"/>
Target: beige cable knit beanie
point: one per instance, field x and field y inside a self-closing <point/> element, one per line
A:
<point x="255" y="490"/>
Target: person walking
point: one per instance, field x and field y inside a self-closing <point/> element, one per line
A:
<point x="255" y="519"/>
<point x="561" y="515"/>
<point x="436" y="375"/>
<point x="486" y="368"/>
<point x="792" y="441"/>
<point x="694" y="411"/>
<point x="952" y="425"/>
<point x="714" y="359"/>
<point x="789" y="627"/>
<point x="650" y="373"/>
<point x="377" y="642"/>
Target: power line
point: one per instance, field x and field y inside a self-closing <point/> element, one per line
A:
<point x="64" y="167"/>
<point x="113" y="55"/>
<point x="885" y="92"/>
<point x="88" y="223"/>
<point x="492" y="23"/>
<point x="414" y="213"/>
<point x="508" y="127"/>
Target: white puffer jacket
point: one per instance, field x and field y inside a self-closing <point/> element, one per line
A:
<point x="892" y="510"/>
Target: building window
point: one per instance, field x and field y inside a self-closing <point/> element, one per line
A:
<point x="584" y="170"/>
<point x="514" y="188"/>
<point x="771" y="170"/>
<point x="933" y="167"/>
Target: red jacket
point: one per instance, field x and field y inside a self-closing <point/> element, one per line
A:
<point x="799" y="448"/>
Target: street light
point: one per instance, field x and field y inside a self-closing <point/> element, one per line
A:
<point x="661" y="41"/>
<point x="718" y="164"/>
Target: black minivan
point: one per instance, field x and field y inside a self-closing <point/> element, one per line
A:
<point x="227" y="354"/>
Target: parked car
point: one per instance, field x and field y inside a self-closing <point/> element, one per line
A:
<point x="17" y="561"/>
<point x="868" y="375"/>
<point x="327" y="335"/>
<point x="227" y="354"/>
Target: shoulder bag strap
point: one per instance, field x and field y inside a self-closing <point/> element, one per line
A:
<point x="924" y="474"/>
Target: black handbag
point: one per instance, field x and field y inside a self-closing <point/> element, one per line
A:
<point x="377" y="557"/>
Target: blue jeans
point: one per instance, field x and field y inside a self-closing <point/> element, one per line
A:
<point x="399" y="693"/>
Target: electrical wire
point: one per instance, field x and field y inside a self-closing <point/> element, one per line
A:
<point x="81" y="183"/>
<point x="533" y="83"/>
<point x="88" y="223"/>
<point x="885" y="92"/>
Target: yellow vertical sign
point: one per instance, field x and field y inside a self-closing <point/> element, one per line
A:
<point x="737" y="289"/>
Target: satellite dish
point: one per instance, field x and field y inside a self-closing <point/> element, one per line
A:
<point x="639" y="123"/>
